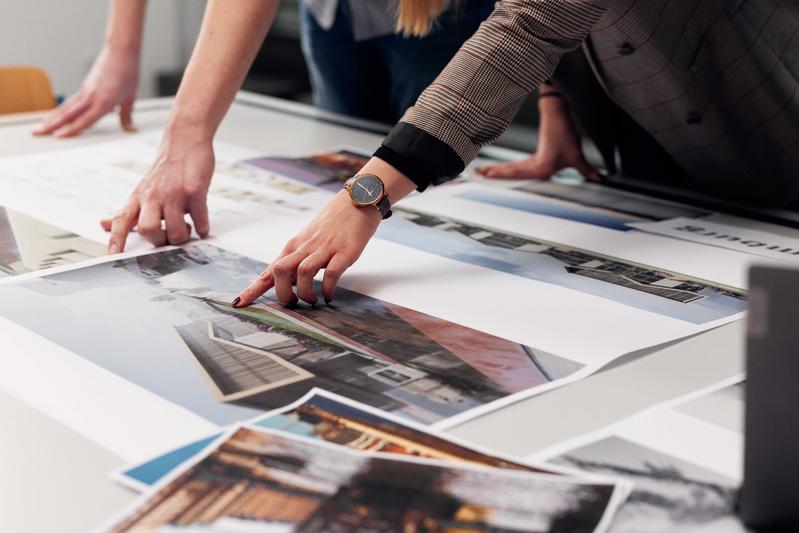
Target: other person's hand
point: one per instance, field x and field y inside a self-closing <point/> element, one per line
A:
<point x="558" y="148"/>
<point x="176" y="185"/>
<point x="112" y="82"/>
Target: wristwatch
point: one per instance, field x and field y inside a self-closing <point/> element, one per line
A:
<point x="367" y="190"/>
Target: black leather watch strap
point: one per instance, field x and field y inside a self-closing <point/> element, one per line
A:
<point x="384" y="206"/>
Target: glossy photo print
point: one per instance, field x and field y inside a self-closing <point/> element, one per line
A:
<point x="28" y="244"/>
<point x="669" y="494"/>
<point x="164" y="321"/>
<point x="327" y="170"/>
<point x="260" y="479"/>
<point x="645" y="287"/>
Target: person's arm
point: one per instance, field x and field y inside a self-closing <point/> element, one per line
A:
<point x="178" y="181"/>
<point x="111" y="82"/>
<point x="558" y="145"/>
<point x="468" y="105"/>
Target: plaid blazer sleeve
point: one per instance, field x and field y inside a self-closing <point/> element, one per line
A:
<point x="475" y="97"/>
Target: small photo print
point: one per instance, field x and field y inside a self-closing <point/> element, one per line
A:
<point x="327" y="170"/>
<point x="28" y="244"/>
<point x="668" y="494"/>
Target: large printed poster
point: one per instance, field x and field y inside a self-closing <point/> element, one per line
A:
<point x="163" y="321"/>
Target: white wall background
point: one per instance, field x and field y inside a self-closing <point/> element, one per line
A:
<point x="64" y="36"/>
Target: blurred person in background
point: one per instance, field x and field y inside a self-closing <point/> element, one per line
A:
<point x="366" y="58"/>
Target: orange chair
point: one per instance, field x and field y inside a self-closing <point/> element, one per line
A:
<point x="24" y="89"/>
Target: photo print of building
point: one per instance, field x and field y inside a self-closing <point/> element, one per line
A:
<point x="327" y="170"/>
<point x="264" y="479"/>
<point x="28" y="244"/>
<point x="227" y="364"/>
<point x="669" y="494"/>
<point x="628" y="283"/>
<point x="589" y="203"/>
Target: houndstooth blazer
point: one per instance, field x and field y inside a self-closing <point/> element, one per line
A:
<point x="713" y="81"/>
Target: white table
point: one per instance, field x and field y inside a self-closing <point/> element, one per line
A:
<point x="53" y="479"/>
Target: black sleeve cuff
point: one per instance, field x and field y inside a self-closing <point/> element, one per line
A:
<point x="423" y="158"/>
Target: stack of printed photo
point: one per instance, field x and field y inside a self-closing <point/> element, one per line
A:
<point x="327" y="463"/>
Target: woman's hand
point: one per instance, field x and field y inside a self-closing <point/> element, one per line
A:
<point x="176" y="184"/>
<point x="333" y="241"/>
<point x="558" y="148"/>
<point x="112" y="82"/>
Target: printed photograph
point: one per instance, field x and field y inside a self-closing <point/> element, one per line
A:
<point x="588" y="203"/>
<point x="324" y="417"/>
<point x="257" y="480"/>
<point x="631" y="284"/>
<point x="28" y="244"/>
<point x="163" y="321"/>
<point x="668" y="494"/>
<point x="327" y="170"/>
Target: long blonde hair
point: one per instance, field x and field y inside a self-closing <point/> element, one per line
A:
<point x="415" y="18"/>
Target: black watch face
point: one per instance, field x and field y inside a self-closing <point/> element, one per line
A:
<point x="366" y="189"/>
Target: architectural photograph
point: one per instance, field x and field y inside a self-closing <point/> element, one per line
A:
<point x="226" y="364"/>
<point x="269" y="480"/>
<point x="641" y="286"/>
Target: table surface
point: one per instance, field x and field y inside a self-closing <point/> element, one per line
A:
<point x="53" y="479"/>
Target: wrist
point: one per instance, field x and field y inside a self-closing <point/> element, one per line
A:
<point x="397" y="185"/>
<point x="189" y="127"/>
<point x="371" y="214"/>
<point x="177" y="145"/>
<point x="123" y="46"/>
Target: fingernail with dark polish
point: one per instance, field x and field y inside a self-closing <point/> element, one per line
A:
<point x="236" y="301"/>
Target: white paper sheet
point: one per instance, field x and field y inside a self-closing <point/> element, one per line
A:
<point x="77" y="187"/>
<point x="745" y="240"/>
<point x="590" y="329"/>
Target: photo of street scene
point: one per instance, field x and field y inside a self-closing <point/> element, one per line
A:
<point x="28" y="244"/>
<point x="327" y="170"/>
<point x="344" y="422"/>
<point x="190" y="346"/>
<point x="276" y="482"/>
<point x="590" y="203"/>
<point x="638" y="286"/>
<point x="668" y="494"/>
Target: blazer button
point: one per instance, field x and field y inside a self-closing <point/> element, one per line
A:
<point x="626" y="49"/>
<point x="693" y="118"/>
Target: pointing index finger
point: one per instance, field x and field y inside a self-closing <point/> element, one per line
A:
<point x="121" y="225"/>
<point x="264" y="282"/>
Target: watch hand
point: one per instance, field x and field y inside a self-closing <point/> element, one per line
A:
<point x="364" y="188"/>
